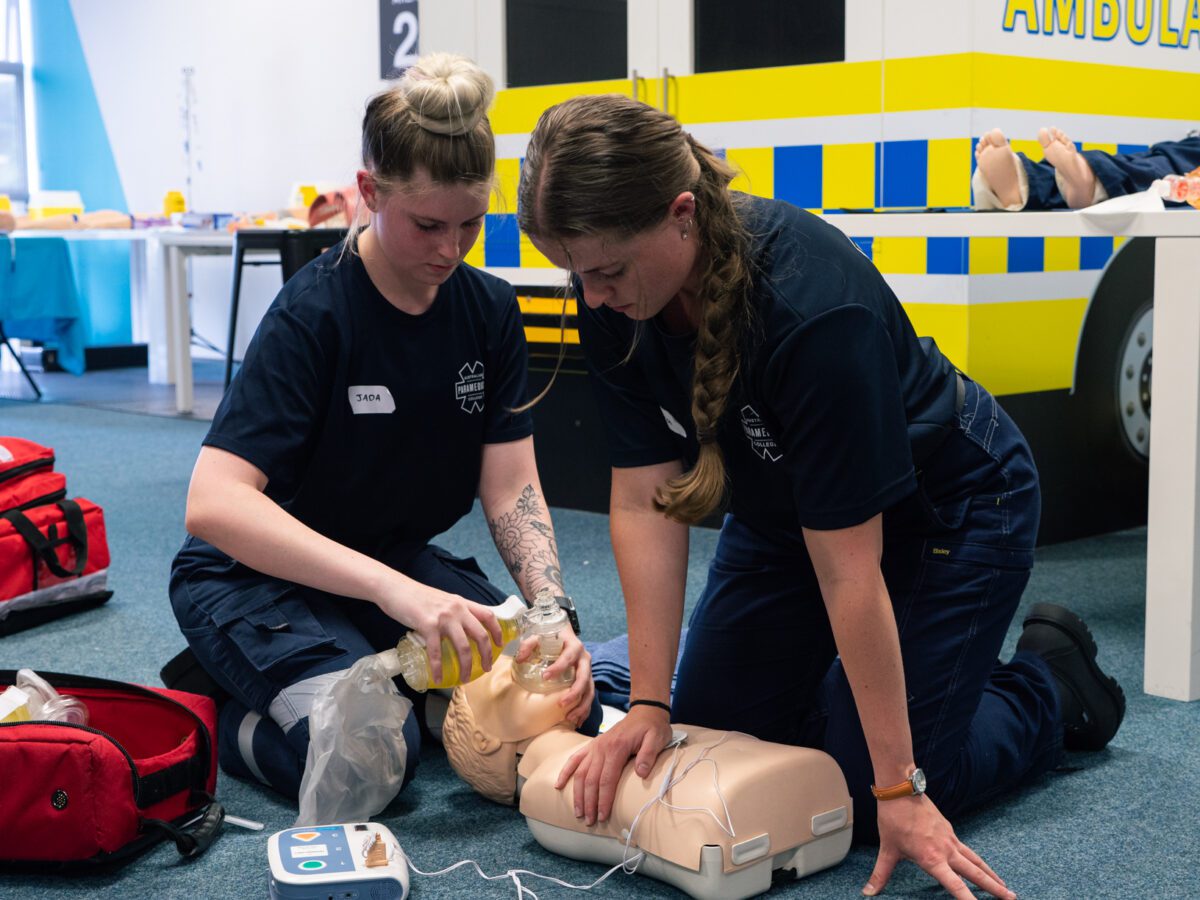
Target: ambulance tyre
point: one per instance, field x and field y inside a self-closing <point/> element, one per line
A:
<point x="1112" y="374"/>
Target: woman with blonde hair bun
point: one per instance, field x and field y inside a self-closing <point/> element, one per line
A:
<point x="882" y="507"/>
<point x="382" y="392"/>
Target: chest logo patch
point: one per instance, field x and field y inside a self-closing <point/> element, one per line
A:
<point x="760" y="438"/>
<point x="673" y="424"/>
<point x="468" y="390"/>
<point x="366" y="399"/>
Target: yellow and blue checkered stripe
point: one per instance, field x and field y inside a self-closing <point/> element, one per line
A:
<point x="919" y="174"/>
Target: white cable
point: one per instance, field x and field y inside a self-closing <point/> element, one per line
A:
<point x="629" y="863"/>
<point x="513" y="874"/>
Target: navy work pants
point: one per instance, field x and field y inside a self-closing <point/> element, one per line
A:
<point x="1120" y="173"/>
<point x="272" y="644"/>
<point x="760" y="656"/>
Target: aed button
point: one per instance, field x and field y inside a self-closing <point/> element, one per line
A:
<point x="312" y="865"/>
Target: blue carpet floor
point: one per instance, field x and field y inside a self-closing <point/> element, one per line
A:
<point x="1118" y="824"/>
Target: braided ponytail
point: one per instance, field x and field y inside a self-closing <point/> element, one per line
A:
<point x="724" y="304"/>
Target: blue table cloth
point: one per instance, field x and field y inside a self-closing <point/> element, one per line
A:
<point x="39" y="300"/>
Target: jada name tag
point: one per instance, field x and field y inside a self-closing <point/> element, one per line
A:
<point x="371" y="398"/>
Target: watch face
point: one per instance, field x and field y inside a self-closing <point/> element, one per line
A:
<point x="918" y="782"/>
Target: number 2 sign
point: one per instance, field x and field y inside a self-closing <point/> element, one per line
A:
<point x="399" y="28"/>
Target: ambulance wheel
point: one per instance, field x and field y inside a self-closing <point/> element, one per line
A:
<point x="1116" y="354"/>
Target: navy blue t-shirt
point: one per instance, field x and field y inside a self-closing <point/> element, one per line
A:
<point x="835" y="399"/>
<point x="369" y="422"/>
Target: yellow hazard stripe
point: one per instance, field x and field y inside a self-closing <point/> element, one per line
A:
<point x="536" y="334"/>
<point x="1013" y="82"/>
<point x="546" y="306"/>
<point x="946" y="81"/>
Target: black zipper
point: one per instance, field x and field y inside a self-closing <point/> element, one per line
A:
<point x="68" y="681"/>
<point x="52" y="497"/>
<point x="26" y="468"/>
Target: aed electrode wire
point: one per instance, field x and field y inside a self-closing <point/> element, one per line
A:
<point x="629" y="863"/>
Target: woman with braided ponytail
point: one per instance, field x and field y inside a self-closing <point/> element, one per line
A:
<point x="381" y="394"/>
<point x="882" y="508"/>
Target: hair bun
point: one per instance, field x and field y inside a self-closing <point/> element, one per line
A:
<point x="448" y="94"/>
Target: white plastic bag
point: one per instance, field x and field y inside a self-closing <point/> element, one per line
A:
<point x="356" y="750"/>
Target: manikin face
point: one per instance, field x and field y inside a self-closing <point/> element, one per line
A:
<point x="639" y="275"/>
<point x="424" y="228"/>
<point x="489" y="722"/>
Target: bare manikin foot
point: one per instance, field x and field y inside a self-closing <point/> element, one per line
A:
<point x="998" y="163"/>
<point x="1076" y="179"/>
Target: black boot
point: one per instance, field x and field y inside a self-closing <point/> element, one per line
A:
<point x="1093" y="704"/>
<point x="184" y="673"/>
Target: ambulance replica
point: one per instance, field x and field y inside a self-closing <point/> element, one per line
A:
<point x="1059" y="328"/>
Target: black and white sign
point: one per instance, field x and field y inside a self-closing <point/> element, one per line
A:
<point x="469" y="389"/>
<point x="399" y="30"/>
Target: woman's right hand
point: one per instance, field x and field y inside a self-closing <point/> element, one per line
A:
<point x="435" y="614"/>
<point x="597" y="767"/>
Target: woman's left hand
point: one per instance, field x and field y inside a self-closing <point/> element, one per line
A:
<point x="913" y="828"/>
<point x="577" y="699"/>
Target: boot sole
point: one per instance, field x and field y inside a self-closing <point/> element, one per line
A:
<point x="1069" y="623"/>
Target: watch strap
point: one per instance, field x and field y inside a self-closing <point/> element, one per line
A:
<point x="914" y="784"/>
<point x="568" y="606"/>
<point x="895" y="792"/>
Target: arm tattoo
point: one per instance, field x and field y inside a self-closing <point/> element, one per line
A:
<point x="525" y="539"/>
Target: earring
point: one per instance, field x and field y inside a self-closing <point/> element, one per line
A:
<point x="687" y="228"/>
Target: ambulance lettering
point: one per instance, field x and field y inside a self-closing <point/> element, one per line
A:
<point x="761" y="441"/>
<point x="1140" y="19"/>
<point x="468" y="390"/>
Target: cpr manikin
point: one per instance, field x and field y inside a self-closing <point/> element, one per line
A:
<point x="743" y="809"/>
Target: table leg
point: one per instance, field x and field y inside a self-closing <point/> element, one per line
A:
<point x="179" y="323"/>
<point x="1172" y="667"/>
<point x="139" y="292"/>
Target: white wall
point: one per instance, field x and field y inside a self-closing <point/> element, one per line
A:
<point x="279" y="86"/>
<point x="279" y="91"/>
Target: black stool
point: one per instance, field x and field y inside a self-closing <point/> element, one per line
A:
<point x="296" y="248"/>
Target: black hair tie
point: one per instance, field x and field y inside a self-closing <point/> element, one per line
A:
<point x="657" y="704"/>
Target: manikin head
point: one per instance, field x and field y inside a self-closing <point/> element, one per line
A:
<point x="490" y="722"/>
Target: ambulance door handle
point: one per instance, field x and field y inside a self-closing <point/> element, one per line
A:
<point x="666" y="90"/>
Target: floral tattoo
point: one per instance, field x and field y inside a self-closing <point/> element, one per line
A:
<point x="526" y="543"/>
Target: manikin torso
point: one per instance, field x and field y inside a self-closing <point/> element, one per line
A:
<point x="745" y="808"/>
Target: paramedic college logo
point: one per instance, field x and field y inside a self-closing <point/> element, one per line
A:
<point x="468" y="390"/>
<point x="760" y="439"/>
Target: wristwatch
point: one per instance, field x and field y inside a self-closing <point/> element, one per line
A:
<point x="568" y="606"/>
<point x="910" y="787"/>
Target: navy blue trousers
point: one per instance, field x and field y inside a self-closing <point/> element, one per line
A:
<point x="272" y="643"/>
<point x="1120" y="173"/>
<point x="760" y="656"/>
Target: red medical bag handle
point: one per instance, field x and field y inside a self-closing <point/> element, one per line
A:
<point x="44" y="547"/>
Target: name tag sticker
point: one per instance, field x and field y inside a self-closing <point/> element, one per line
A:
<point x="371" y="398"/>
<point x="673" y="423"/>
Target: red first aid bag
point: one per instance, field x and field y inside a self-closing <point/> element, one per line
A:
<point x="141" y="770"/>
<point x="53" y="551"/>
